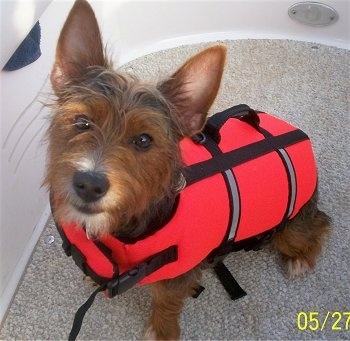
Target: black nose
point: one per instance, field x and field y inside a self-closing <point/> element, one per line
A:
<point x="90" y="186"/>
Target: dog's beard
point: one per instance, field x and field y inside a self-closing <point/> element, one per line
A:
<point x="96" y="224"/>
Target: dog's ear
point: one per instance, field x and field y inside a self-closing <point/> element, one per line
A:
<point x="192" y="89"/>
<point x="79" y="46"/>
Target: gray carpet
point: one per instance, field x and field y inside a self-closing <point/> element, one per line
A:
<point x="304" y="83"/>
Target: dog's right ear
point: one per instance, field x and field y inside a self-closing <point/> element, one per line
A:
<point x="79" y="46"/>
<point x="192" y="88"/>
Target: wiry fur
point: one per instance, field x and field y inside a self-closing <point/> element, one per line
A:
<point x="99" y="114"/>
<point x="300" y="242"/>
<point x="118" y="109"/>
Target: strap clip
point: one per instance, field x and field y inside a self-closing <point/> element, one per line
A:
<point x="199" y="138"/>
<point x="126" y="281"/>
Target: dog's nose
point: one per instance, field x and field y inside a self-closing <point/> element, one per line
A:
<point x="90" y="186"/>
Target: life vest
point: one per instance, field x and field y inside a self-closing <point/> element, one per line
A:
<point x="247" y="174"/>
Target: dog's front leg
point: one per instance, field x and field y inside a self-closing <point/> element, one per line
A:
<point x="167" y="301"/>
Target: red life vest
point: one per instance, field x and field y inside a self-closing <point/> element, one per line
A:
<point x="247" y="174"/>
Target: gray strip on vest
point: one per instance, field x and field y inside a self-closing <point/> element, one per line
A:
<point x="293" y="181"/>
<point x="236" y="205"/>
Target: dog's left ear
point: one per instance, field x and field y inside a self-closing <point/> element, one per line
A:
<point x="192" y="89"/>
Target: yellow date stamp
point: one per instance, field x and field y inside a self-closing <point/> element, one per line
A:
<point x="314" y="320"/>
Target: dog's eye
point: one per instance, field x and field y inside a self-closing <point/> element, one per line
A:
<point x="142" y="142"/>
<point x="81" y="123"/>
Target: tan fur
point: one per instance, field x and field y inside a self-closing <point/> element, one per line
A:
<point x="167" y="302"/>
<point x="100" y="117"/>
<point x="300" y="242"/>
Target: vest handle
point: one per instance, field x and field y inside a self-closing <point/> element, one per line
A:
<point x="215" y="122"/>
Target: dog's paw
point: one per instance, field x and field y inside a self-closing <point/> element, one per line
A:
<point x="297" y="267"/>
<point x="89" y="281"/>
<point x="150" y="334"/>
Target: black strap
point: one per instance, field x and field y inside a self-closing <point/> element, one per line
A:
<point x="229" y="283"/>
<point x="128" y="279"/>
<point x="241" y="111"/>
<point x="124" y="282"/>
<point x="222" y="162"/>
<point x="198" y="291"/>
<point x="80" y="314"/>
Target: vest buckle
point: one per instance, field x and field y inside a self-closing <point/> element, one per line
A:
<point x="126" y="281"/>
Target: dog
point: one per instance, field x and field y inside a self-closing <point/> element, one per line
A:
<point x="114" y="162"/>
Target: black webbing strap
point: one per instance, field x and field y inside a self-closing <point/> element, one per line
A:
<point x="128" y="279"/>
<point x="198" y="291"/>
<point x="229" y="283"/>
<point x="224" y="161"/>
<point x="124" y="282"/>
<point x="80" y="314"/>
<point x="241" y="111"/>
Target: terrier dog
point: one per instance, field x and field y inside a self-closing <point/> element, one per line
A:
<point x="114" y="161"/>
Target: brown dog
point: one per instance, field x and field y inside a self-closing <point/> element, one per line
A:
<point x="114" y="162"/>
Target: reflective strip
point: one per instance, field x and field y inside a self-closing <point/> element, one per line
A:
<point x="236" y="204"/>
<point x="292" y="181"/>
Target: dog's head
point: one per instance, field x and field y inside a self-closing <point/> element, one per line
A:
<point x="113" y="155"/>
